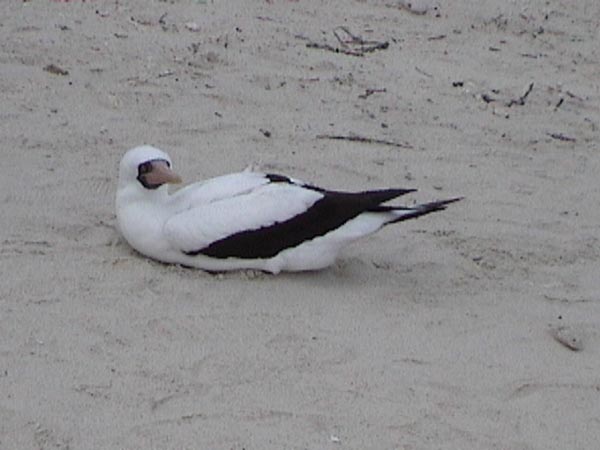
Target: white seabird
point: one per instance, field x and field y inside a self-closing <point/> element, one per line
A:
<point x="246" y="220"/>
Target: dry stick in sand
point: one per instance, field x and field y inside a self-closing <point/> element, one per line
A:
<point x="370" y="92"/>
<point x="521" y="100"/>
<point x="562" y="137"/>
<point x="333" y="49"/>
<point x="351" y="44"/>
<point x="363" y="139"/>
<point x="513" y="101"/>
<point x="353" y="39"/>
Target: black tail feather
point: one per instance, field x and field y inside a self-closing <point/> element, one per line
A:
<point x="423" y="209"/>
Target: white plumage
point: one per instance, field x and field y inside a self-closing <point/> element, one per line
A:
<point x="246" y="220"/>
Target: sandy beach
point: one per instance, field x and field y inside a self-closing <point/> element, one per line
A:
<point x="475" y="328"/>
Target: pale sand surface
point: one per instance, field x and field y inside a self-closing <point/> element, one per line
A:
<point x="435" y="334"/>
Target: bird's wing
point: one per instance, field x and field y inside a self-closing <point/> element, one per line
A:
<point x="263" y="221"/>
<point x="218" y="188"/>
<point x="194" y="230"/>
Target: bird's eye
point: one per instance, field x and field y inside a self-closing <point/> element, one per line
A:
<point x="145" y="168"/>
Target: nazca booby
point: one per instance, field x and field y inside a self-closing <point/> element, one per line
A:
<point x="246" y="220"/>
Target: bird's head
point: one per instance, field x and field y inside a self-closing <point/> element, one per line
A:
<point x="146" y="167"/>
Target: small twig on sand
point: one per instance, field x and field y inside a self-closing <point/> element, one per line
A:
<point x="350" y="44"/>
<point x="521" y="100"/>
<point x="560" y="102"/>
<point x="376" y="46"/>
<point x="508" y="103"/>
<point x="345" y="37"/>
<point x="341" y="40"/>
<point x="561" y="137"/>
<point x="332" y="49"/>
<point x="363" y="139"/>
<point x="576" y="97"/>
<point x="422" y="72"/>
<point x="369" y="92"/>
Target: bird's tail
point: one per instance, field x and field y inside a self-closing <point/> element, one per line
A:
<point x="403" y="213"/>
